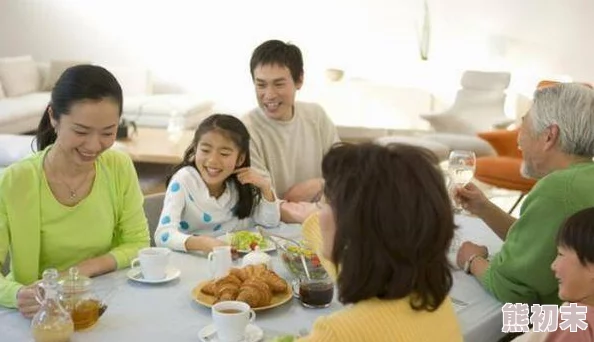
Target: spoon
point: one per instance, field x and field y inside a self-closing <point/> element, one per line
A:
<point x="268" y="236"/>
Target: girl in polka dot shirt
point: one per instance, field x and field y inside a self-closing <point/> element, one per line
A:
<point x="214" y="190"/>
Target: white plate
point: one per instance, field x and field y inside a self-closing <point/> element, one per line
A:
<point x="170" y="274"/>
<point x="253" y="333"/>
<point x="271" y="247"/>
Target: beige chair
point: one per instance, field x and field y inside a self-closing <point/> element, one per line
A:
<point x="153" y="204"/>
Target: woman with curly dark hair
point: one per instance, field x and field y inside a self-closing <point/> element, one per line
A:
<point x="387" y="226"/>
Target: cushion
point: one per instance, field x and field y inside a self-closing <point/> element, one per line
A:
<point x="22" y="113"/>
<point x="14" y="148"/>
<point x="503" y="141"/>
<point x="440" y="150"/>
<point x="503" y="172"/>
<point x="56" y="68"/>
<point x="468" y="123"/>
<point x="19" y="76"/>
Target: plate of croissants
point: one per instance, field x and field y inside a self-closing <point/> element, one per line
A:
<point x="255" y="285"/>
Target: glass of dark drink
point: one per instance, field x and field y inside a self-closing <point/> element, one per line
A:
<point x="316" y="293"/>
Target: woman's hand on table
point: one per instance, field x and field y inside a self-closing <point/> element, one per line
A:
<point x="471" y="198"/>
<point x="26" y="301"/>
<point x="468" y="249"/>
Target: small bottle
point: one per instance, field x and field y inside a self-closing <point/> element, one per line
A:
<point x="175" y="126"/>
<point x="51" y="323"/>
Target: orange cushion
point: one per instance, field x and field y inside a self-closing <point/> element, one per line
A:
<point x="502" y="172"/>
<point x="503" y="141"/>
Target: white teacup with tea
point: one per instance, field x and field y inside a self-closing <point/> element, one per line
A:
<point x="230" y="319"/>
<point x="153" y="262"/>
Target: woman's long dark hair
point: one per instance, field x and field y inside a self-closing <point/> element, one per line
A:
<point x="234" y="129"/>
<point x="394" y="223"/>
<point x="77" y="83"/>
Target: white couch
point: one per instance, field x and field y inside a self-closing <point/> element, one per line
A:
<point x="25" y="92"/>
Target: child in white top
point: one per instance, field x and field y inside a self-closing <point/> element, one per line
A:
<point x="214" y="190"/>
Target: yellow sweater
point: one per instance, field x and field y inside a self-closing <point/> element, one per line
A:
<point x="379" y="320"/>
<point x="376" y="320"/>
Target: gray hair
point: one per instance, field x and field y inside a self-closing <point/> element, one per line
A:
<point x="571" y="107"/>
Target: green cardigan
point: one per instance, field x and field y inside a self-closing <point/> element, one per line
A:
<point x="20" y="217"/>
<point x="521" y="271"/>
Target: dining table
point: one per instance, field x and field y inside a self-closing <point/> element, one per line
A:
<point x="167" y="311"/>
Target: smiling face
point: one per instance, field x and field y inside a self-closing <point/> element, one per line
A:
<point x="217" y="156"/>
<point x="88" y="129"/>
<point x="275" y="90"/>
<point x="576" y="281"/>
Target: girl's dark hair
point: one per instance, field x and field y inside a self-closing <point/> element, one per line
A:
<point x="394" y="223"/>
<point x="577" y="234"/>
<point x="234" y="129"/>
<point x="76" y="84"/>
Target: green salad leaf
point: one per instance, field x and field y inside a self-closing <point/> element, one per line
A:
<point x="284" y="338"/>
<point x="243" y="240"/>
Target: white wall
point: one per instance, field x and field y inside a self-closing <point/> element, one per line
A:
<point x="205" y="45"/>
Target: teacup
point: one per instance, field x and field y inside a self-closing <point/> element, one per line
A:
<point x="220" y="261"/>
<point x="153" y="262"/>
<point x="314" y="293"/>
<point x="230" y="319"/>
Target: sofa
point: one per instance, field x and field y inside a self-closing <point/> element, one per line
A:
<point x="25" y="87"/>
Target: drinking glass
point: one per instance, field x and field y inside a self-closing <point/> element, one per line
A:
<point x="461" y="166"/>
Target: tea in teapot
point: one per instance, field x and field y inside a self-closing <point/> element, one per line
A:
<point x="80" y="301"/>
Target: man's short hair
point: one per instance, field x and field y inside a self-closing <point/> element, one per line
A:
<point x="277" y="52"/>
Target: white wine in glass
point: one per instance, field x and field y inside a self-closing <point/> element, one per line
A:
<point x="461" y="166"/>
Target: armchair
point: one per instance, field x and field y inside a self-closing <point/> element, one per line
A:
<point x="479" y="106"/>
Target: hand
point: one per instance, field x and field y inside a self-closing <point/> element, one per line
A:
<point x="214" y="242"/>
<point x="248" y="175"/>
<point x="26" y="301"/>
<point x="297" y="212"/>
<point x="467" y="249"/>
<point x="471" y="198"/>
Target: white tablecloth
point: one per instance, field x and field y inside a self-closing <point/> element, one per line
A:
<point x="166" y="312"/>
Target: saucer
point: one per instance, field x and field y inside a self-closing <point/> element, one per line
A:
<point x="253" y="333"/>
<point x="170" y="274"/>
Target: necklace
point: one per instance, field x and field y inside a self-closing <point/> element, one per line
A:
<point x="73" y="195"/>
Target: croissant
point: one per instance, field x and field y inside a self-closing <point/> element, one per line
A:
<point x="255" y="293"/>
<point x="209" y="289"/>
<point x="227" y="288"/>
<point x="276" y="283"/>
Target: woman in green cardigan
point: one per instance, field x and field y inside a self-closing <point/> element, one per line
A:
<point x="75" y="202"/>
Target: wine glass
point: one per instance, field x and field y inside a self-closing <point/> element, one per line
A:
<point x="461" y="166"/>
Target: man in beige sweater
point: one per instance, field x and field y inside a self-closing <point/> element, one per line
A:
<point x="288" y="138"/>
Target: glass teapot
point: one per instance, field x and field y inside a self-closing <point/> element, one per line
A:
<point x="79" y="299"/>
<point x="51" y="323"/>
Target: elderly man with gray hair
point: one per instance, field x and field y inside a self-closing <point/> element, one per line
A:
<point x="557" y="142"/>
